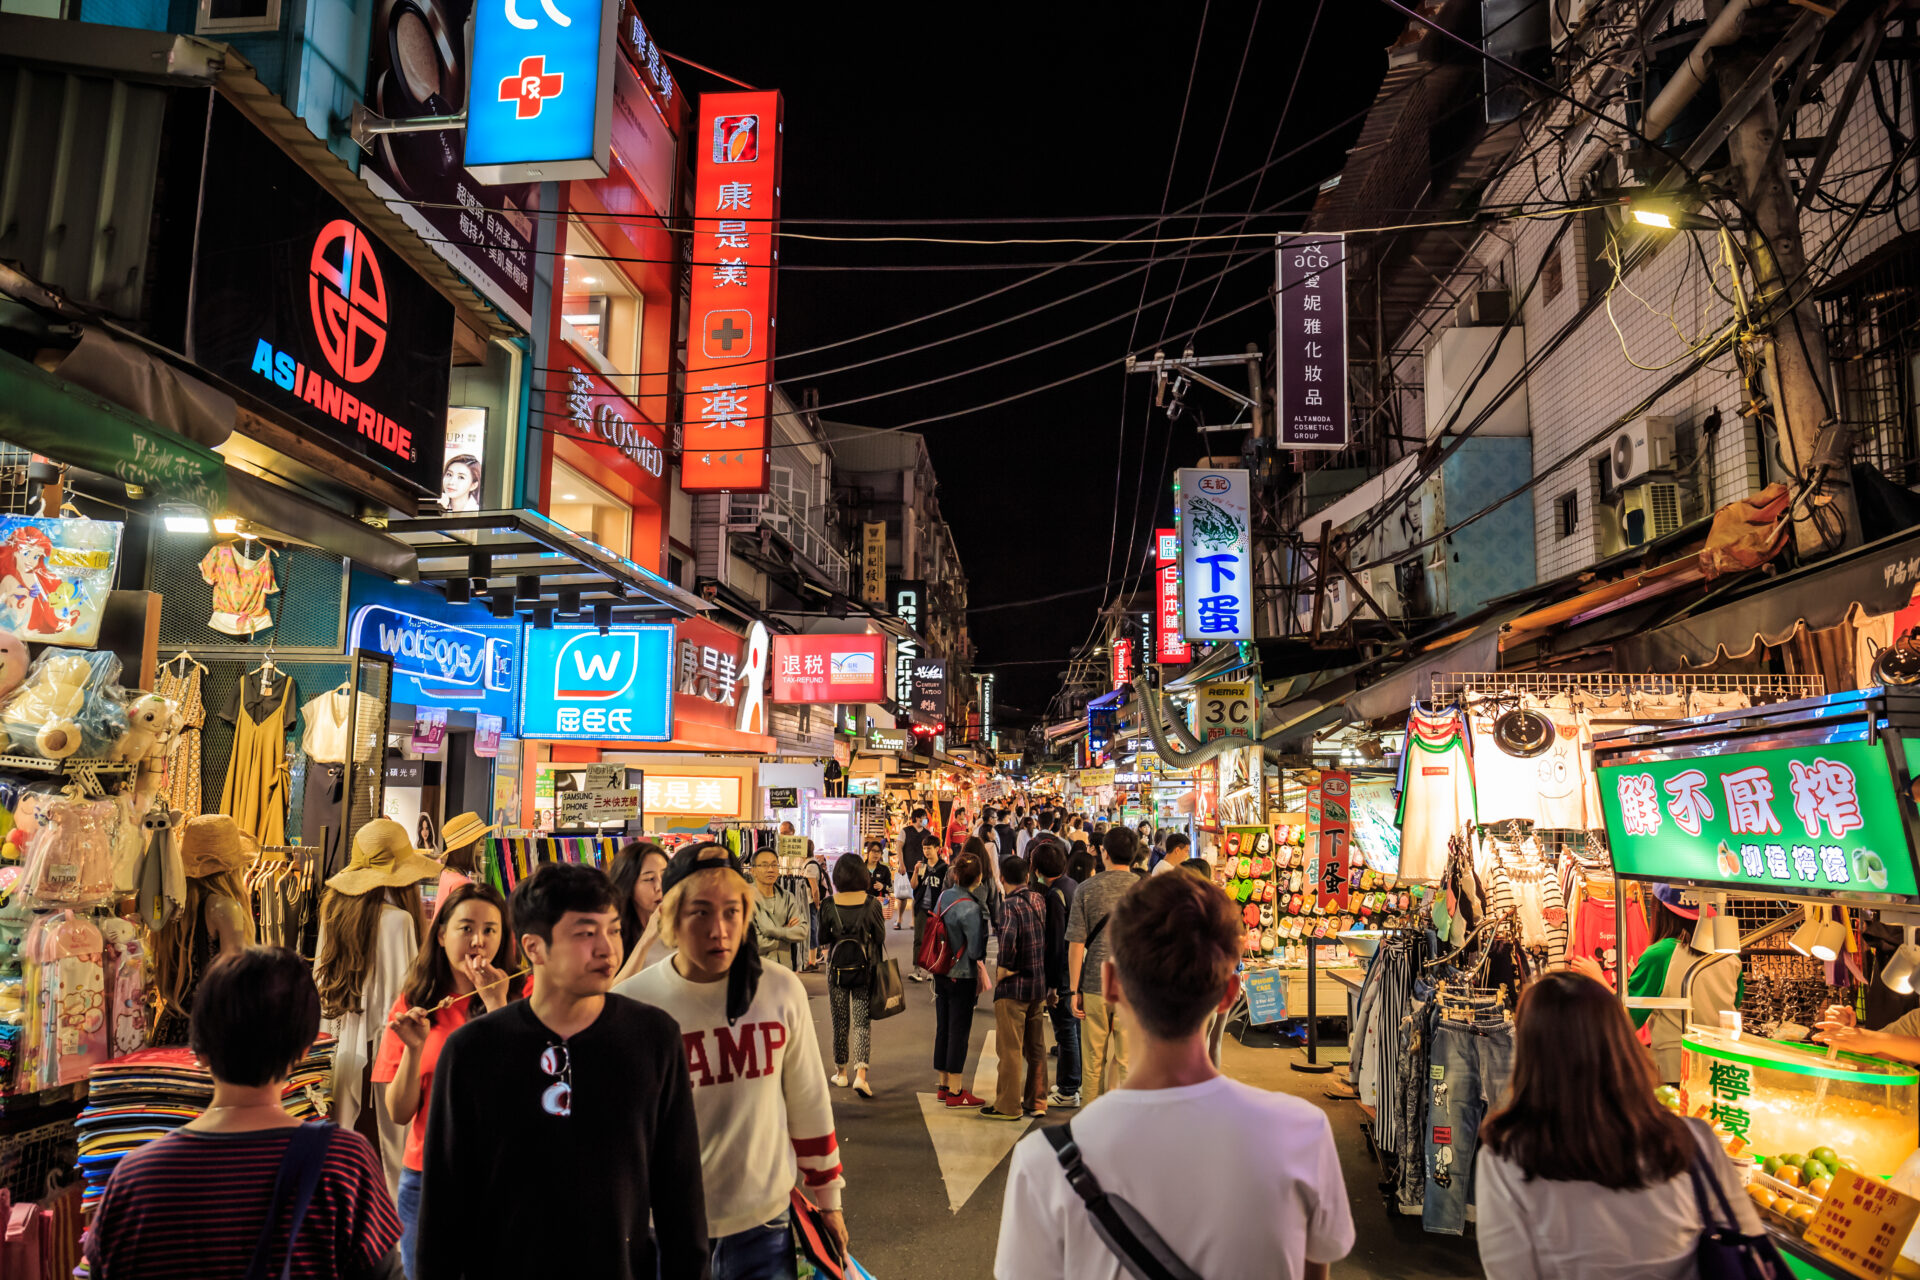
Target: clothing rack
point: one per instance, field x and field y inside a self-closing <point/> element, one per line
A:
<point x="1449" y="686"/>
<point x="513" y="855"/>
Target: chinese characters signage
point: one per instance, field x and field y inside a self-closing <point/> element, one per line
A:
<point x="930" y="691"/>
<point x="707" y="673"/>
<point x="1122" y="662"/>
<point x="1168" y="642"/>
<point x="540" y="106"/>
<point x="730" y="345"/>
<point x="581" y="684"/>
<point x="486" y="735"/>
<point x="873" y="562"/>
<point x="1311" y="310"/>
<point x="645" y="55"/>
<point x="1216" y="554"/>
<point x="1817" y="818"/>
<point x="429" y="730"/>
<point x="1226" y="709"/>
<point x="674" y="793"/>
<point x="591" y="410"/>
<point x="894" y="740"/>
<point x="827" y="669"/>
<point x="983" y="688"/>
<point x="1730" y="1100"/>
<point x="1330" y="821"/>
<point x="1862" y="1224"/>
<point x="907" y="595"/>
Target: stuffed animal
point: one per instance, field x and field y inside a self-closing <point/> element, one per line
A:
<point x="151" y="723"/>
<point x="65" y="708"/>
<point x="14" y="662"/>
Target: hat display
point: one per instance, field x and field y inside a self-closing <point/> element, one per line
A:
<point x="463" y="829"/>
<point x="210" y="844"/>
<point x="383" y="858"/>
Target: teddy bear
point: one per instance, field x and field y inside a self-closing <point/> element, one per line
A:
<point x="151" y="723"/>
<point x="64" y="706"/>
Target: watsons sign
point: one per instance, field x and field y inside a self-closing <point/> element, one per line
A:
<point x="433" y="651"/>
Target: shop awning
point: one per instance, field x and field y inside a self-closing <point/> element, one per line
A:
<point x="534" y="560"/>
<point x="1598" y="602"/>
<point x="1221" y="661"/>
<point x="1475" y="648"/>
<point x="1877" y="578"/>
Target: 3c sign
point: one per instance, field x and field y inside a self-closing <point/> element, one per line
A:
<point x="1227" y="710"/>
<point x="348" y="299"/>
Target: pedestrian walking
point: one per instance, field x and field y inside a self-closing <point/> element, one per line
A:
<point x="1236" y="1182"/>
<point x="957" y="991"/>
<point x="957" y="827"/>
<point x="467" y="965"/>
<point x="1551" y="1201"/>
<point x="766" y="1116"/>
<point x="913" y="844"/>
<point x="902" y="897"/>
<point x="1020" y="999"/>
<point x="856" y="941"/>
<point x="930" y="882"/>
<point x="1004" y="830"/>
<point x="193" y="1203"/>
<point x="636" y="881"/>
<point x="561" y="1137"/>
<point x="1178" y="849"/>
<point x="989" y="891"/>
<point x="778" y="921"/>
<point x="1105" y="1041"/>
<point x="1056" y="891"/>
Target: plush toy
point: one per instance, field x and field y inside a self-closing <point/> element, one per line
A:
<point x="65" y="707"/>
<point x="151" y="723"/>
<point x="14" y="662"/>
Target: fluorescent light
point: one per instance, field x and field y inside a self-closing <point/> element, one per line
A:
<point x="225" y="524"/>
<point x="569" y="497"/>
<point x="1654" y="218"/>
<point x="188" y="524"/>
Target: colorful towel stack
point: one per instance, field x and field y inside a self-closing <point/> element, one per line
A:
<point x="148" y="1094"/>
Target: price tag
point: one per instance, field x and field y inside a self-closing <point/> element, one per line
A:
<point x="574" y="806"/>
<point x="790" y="847"/>
<point x="1862" y="1224"/>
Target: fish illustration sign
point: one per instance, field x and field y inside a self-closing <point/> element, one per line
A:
<point x="1213" y="512"/>
<point x="580" y="684"/>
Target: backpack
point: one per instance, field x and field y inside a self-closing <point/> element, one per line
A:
<point x="849" y="967"/>
<point x="937" y="952"/>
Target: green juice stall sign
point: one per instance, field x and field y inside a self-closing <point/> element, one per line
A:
<point x="1818" y="819"/>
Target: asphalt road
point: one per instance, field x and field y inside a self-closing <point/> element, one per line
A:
<point x="924" y="1184"/>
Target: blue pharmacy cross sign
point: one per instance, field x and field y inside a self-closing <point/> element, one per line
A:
<point x="540" y="102"/>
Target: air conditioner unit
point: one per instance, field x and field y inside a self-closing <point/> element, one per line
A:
<point x="1565" y="16"/>
<point x="1643" y="446"/>
<point x="1649" y="511"/>
<point x="1385" y="590"/>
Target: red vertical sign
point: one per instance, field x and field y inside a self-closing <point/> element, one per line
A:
<point x="1169" y="642"/>
<point x="1122" y="663"/>
<point x="730" y="335"/>
<point x="1330" y="824"/>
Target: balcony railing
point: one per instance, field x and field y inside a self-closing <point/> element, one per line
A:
<point x="748" y="512"/>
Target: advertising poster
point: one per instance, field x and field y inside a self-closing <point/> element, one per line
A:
<point x="55" y="576"/>
<point x="1214" y="513"/>
<point x="463" y="474"/>
<point x="1311" y="310"/>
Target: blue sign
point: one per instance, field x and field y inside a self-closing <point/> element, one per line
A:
<point x="540" y="102"/>
<point x="444" y="655"/>
<point x="580" y="684"/>
<point x="1266" y="997"/>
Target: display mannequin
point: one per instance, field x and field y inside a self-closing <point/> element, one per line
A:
<point x="214" y="922"/>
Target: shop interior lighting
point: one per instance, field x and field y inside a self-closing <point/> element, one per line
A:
<point x="480" y="565"/>
<point x="183" y="519"/>
<point x="570" y="603"/>
<point x="226" y="524"/>
<point x="502" y="603"/>
<point x="1726" y="931"/>
<point x="1802" y="938"/>
<point x="603" y="616"/>
<point x="1831" y="940"/>
<point x="459" y="590"/>
<point x="543" y="617"/>
<point x="526" y="589"/>
<point x="1900" y="970"/>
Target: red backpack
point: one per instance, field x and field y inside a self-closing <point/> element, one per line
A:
<point x="936" y="954"/>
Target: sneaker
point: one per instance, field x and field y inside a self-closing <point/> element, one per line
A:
<point x="945" y="1093"/>
<point x="840" y="1079"/>
<point x="988" y="1113"/>
<point x="862" y="1088"/>
<point x="965" y="1099"/>
<point x="1055" y="1098"/>
<point x="1038" y="1113"/>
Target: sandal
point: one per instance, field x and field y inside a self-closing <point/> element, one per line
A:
<point x="861" y="1087"/>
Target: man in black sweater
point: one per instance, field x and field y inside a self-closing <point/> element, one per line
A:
<point x="561" y="1124"/>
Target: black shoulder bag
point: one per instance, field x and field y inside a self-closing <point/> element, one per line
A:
<point x="1131" y="1237"/>
<point x="293" y="1185"/>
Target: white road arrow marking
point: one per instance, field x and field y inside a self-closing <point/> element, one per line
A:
<point x="968" y="1147"/>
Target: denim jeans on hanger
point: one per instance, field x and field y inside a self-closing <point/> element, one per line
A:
<point x="1470" y="1066"/>
<point x="1410" y="1082"/>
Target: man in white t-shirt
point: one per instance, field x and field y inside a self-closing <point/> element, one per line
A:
<point x="1241" y="1184"/>
<point x="1179" y="849"/>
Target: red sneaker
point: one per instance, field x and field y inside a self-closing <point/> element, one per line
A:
<point x="945" y="1093"/>
<point x="965" y="1099"/>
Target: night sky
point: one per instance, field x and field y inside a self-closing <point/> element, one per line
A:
<point x="1041" y="110"/>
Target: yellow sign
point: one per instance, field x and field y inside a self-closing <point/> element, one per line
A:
<point x="1227" y="710"/>
<point x="1091" y="778"/>
<point x="1862" y="1224"/>
<point x="873" y="562"/>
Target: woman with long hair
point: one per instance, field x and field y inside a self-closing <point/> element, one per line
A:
<point x="637" y="872"/>
<point x="854" y="936"/>
<point x="470" y="953"/>
<point x="957" y="991"/>
<point x="1582" y="1174"/>
<point x="29" y="589"/>
<point x="370" y="931"/>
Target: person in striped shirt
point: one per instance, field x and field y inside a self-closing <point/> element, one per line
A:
<point x="759" y="1085"/>
<point x="194" y="1204"/>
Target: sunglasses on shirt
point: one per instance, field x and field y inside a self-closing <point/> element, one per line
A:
<point x="557" y="1099"/>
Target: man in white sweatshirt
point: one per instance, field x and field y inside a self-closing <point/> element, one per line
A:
<point x="759" y="1086"/>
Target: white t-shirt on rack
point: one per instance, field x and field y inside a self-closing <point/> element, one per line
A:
<point x="1241" y="1183"/>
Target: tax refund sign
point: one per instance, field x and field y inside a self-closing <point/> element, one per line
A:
<point x="540" y="106"/>
<point x="579" y="684"/>
<point x="1819" y="819"/>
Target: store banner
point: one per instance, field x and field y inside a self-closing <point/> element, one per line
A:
<point x="1092" y="778"/>
<point x="727" y="408"/>
<point x="983" y="697"/>
<point x="930" y="692"/>
<point x="894" y="740"/>
<point x="486" y="735"/>
<point x="873" y="562"/>
<point x="444" y="655"/>
<point x="829" y="668"/>
<point x="1225" y="709"/>
<point x="1310" y="307"/>
<point x="908" y="595"/>
<point x="295" y="301"/>
<point x="674" y="793"/>
<point x="1122" y="662"/>
<point x="1169" y="643"/>
<point x="709" y="671"/>
<point x="429" y="731"/>
<point x="1817" y="819"/>
<point x="584" y="405"/>
<point x="417" y="66"/>
<point x="540" y="107"/>
<point x="1330" y="829"/>
<point x="1213" y="513"/>
<point x="579" y="684"/>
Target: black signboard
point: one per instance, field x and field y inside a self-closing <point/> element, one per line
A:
<point x="930" y="691"/>
<point x="783" y="797"/>
<point x="417" y="66"/>
<point x="909" y="599"/>
<point x="1310" y="406"/>
<point x="294" y="300"/>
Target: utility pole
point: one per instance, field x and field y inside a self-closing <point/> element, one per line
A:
<point x="1814" y="440"/>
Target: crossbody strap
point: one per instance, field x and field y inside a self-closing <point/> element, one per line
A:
<point x="1140" y="1256"/>
<point x="299" y="1174"/>
<point x="1095" y="931"/>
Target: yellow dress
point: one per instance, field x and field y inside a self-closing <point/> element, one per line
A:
<point x="255" y="794"/>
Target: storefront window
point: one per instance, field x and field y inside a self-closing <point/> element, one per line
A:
<point x="600" y="312"/>
<point x="589" y="510"/>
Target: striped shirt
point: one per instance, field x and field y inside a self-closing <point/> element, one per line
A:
<point x="191" y="1205"/>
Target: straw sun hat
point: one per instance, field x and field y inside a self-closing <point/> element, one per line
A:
<point x="463" y="829"/>
<point x="212" y="843"/>
<point x="383" y="858"/>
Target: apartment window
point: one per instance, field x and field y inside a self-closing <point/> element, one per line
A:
<point x="1567" y="513"/>
<point x="1552" y="277"/>
<point x="1873" y="341"/>
<point x="600" y="312"/>
<point x="590" y="511"/>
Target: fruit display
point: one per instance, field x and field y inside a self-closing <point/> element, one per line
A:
<point x="1804" y="1114"/>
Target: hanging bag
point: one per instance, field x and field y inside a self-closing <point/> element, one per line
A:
<point x="1724" y="1251"/>
<point x="936" y="949"/>
<point x="849" y="967"/>
<point x="887" y="996"/>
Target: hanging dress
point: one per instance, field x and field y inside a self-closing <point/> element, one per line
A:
<point x="255" y="795"/>
<point x="183" y="758"/>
